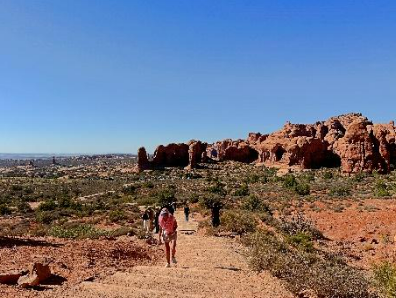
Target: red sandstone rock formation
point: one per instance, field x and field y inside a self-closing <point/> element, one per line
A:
<point x="349" y="141"/>
<point x="195" y="151"/>
<point x="172" y="155"/>
<point x="143" y="163"/>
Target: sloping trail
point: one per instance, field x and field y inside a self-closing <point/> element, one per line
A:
<point x="207" y="267"/>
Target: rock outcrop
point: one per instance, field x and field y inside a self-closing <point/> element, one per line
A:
<point x="143" y="162"/>
<point x="348" y="141"/>
<point x="196" y="153"/>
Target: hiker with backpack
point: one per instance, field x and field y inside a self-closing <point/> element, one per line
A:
<point x="168" y="234"/>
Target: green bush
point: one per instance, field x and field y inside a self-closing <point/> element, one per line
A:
<point x="359" y="177"/>
<point x="24" y="207"/>
<point x="4" y="210"/>
<point x="289" y="181"/>
<point x="148" y="184"/>
<point x="302" y="241"/>
<point x="303" y="270"/>
<point x="147" y="201"/>
<point x="46" y="217"/>
<point x="217" y="188"/>
<point x="240" y="222"/>
<point x="385" y="277"/>
<point x="242" y="191"/>
<point x="254" y="204"/>
<point x="130" y="189"/>
<point x="328" y="175"/>
<point x="48" y="205"/>
<point x="308" y="177"/>
<point x="298" y="224"/>
<point x="380" y="189"/>
<point x="117" y="215"/>
<point x="340" y="190"/>
<point x="166" y="196"/>
<point x="209" y="202"/>
<point x="253" y="178"/>
<point x="79" y="231"/>
<point x="302" y="189"/>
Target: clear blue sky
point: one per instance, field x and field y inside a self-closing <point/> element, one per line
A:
<point x="82" y="76"/>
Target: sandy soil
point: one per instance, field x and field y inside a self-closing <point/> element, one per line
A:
<point x="72" y="261"/>
<point x="363" y="231"/>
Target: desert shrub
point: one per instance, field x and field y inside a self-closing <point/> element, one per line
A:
<point x="78" y="231"/>
<point x="302" y="241"/>
<point x="242" y="191"/>
<point x="217" y="188"/>
<point x="254" y="204"/>
<point x="16" y="187"/>
<point x="148" y="184"/>
<point x="385" y="277"/>
<point x="130" y="189"/>
<point x="289" y="181"/>
<point x="340" y="190"/>
<point x="380" y="189"/>
<point x="253" y="178"/>
<point x="48" y="205"/>
<point x="67" y="203"/>
<point x="308" y="177"/>
<point x="240" y="222"/>
<point x="302" y="189"/>
<point x="117" y="215"/>
<point x="4" y="209"/>
<point x="359" y="177"/>
<point x="209" y="201"/>
<point x="194" y="198"/>
<point x="299" y="224"/>
<point x="192" y="175"/>
<point x="303" y="270"/>
<point x="121" y="232"/>
<point x="270" y="172"/>
<point x="328" y="175"/>
<point x="24" y="207"/>
<point x="46" y="217"/>
<point x="166" y="196"/>
<point x="147" y="201"/>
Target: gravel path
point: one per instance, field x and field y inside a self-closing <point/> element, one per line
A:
<point x="207" y="267"/>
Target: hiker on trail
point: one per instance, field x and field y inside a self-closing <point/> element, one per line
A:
<point x="168" y="233"/>
<point x="151" y="216"/>
<point x="169" y="207"/>
<point x="216" y="214"/>
<point x="156" y="223"/>
<point x="186" y="212"/>
<point x="145" y="218"/>
<point x="173" y="206"/>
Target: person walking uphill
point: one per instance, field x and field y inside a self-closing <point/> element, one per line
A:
<point x="186" y="212"/>
<point x="168" y="233"/>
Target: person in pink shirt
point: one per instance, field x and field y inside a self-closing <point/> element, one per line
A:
<point x="168" y="233"/>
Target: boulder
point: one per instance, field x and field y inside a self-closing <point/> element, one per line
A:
<point x="38" y="274"/>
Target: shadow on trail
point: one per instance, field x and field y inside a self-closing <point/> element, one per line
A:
<point x="11" y="242"/>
